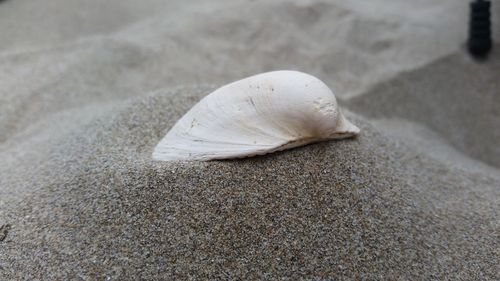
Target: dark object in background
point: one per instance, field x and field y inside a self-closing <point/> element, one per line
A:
<point x="479" y="43"/>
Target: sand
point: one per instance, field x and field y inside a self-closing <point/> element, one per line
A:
<point x="454" y="96"/>
<point x="86" y="95"/>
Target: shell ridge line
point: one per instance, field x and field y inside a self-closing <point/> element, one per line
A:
<point x="231" y="123"/>
<point x="248" y="127"/>
<point x="206" y="141"/>
<point x="251" y="127"/>
<point x="264" y="115"/>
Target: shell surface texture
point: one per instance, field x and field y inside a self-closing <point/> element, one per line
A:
<point x="257" y="115"/>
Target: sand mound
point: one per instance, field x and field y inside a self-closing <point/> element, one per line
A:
<point x="99" y="207"/>
<point x="456" y="97"/>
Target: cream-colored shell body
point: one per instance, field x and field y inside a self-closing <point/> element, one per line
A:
<point x="260" y="114"/>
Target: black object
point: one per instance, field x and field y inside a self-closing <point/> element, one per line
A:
<point x="479" y="43"/>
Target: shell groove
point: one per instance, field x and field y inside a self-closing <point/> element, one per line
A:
<point x="257" y="115"/>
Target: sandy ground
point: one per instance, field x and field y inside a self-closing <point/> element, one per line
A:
<point x="87" y="89"/>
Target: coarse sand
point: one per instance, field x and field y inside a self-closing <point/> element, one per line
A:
<point x="366" y="207"/>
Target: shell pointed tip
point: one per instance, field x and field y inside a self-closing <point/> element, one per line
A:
<point x="346" y="130"/>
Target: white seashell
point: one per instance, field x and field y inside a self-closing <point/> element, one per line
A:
<point x="260" y="114"/>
